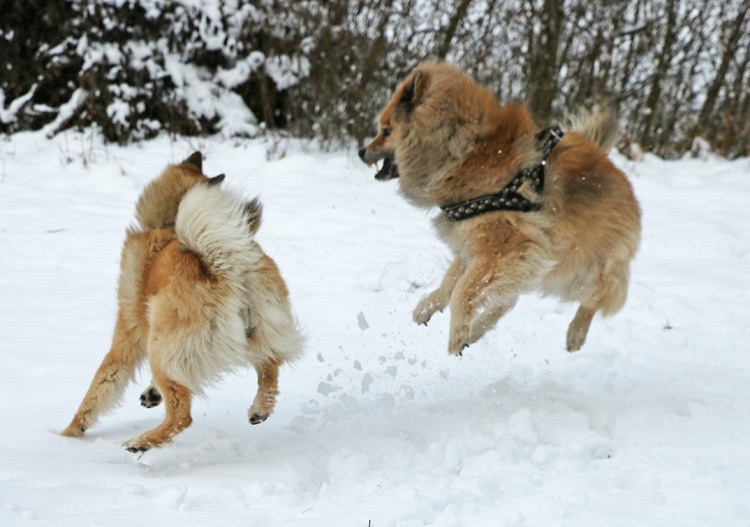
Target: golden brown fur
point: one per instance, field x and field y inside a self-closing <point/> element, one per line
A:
<point x="197" y="297"/>
<point x="451" y="140"/>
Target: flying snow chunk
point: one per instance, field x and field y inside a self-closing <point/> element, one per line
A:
<point x="362" y="321"/>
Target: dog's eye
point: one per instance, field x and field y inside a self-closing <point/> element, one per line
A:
<point x="386" y="132"/>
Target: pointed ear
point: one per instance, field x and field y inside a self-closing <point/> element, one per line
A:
<point x="216" y="180"/>
<point x="196" y="160"/>
<point x="415" y="88"/>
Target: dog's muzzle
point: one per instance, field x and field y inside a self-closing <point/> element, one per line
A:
<point x="389" y="170"/>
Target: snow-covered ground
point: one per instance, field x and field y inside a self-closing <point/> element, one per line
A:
<point x="648" y="425"/>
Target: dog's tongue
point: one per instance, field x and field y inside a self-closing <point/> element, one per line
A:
<point x="388" y="171"/>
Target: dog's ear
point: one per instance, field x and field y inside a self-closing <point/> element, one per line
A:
<point x="415" y="88"/>
<point x="216" y="180"/>
<point x="252" y="212"/>
<point x="195" y="160"/>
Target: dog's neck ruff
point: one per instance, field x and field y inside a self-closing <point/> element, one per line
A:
<point x="510" y="198"/>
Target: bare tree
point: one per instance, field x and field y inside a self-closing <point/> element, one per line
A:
<point x="663" y="60"/>
<point x="543" y="46"/>
<point x="449" y="32"/>
<point x="730" y="49"/>
<point x="674" y="69"/>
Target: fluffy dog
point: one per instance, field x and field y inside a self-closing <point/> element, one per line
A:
<point x="449" y="140"/>
<point x="198" y="297"/>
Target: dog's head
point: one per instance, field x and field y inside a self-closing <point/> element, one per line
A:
<point x="158" y="203"/>
<point x="391" y="125"/>
<point x="436" y="118"/>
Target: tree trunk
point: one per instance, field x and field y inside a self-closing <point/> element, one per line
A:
<point x="445" y="46"/>
<point x="361" y="127"/>
<point x="665" y="57"/>
<point x="735" y="31"/>
<point x="543" y="70"/>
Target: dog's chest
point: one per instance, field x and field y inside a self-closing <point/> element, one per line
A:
<point x="454" y="234"/>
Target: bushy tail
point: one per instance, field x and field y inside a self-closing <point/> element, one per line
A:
<point x="219" y="227"/>
<point x="598" y="125"/>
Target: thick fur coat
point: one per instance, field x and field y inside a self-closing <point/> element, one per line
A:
<point x="447" y="139"/>
<point x="198" y="298"/>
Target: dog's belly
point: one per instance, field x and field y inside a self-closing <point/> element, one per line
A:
<point x="570" y="279"/>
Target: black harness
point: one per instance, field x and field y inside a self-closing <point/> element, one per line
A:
<point x="509" y="198"/>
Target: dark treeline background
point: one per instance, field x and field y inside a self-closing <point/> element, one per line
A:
<point x="675" y="70"/>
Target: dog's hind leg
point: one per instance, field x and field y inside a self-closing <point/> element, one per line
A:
<point x="609" y="296"/>
<point x="110" y="380"/>
<point x="268" y="389"/>
<point x="177" y="402"/>
<point x="579" y="327"/>
<point x="439" y="299"/>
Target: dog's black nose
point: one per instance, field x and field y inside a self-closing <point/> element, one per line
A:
<point x="362" y="152"/>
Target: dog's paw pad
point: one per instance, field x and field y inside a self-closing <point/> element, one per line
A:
<point x="256" y="419"/>
<point x="150" y="398"/>
<point x="138" y="445"/>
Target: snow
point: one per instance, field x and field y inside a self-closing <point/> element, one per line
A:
<point x="648" y="425"/>
<point x="240" y="73"/>
<point x="6" y="116"/>
<point x="119" y="111"/>
<point x="66" y="111"/>
<point x="204" y="98"/>
<point x="286" y="71"/>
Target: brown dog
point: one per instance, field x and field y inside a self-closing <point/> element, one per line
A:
<point x="198" y="297"/>
<point x="449" y="140"/>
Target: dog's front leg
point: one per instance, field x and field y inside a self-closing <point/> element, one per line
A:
<point x="438" y="299"/>
<point x="487" y="290"/>
<point x="464" y="302"/>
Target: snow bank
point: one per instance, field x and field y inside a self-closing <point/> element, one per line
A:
<point x="647" y="425"/>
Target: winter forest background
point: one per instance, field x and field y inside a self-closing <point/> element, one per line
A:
<point x="675" y="70"/>
<point x="376" y="426"/>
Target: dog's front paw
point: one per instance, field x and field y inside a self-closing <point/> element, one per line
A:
<point x="459" y="339"/>
<point x="424" y="311"/>
<point x="73" y="430"/>
<point x="151" y="397"/>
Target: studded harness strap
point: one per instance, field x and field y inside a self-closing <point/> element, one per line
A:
<point x="509" y="198"/>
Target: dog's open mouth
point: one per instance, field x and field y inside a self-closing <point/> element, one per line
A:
<point x="389" y="170"/>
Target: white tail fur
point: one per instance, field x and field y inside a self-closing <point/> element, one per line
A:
<point x="219" y="226"/>
<point x="598" y="125"/>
